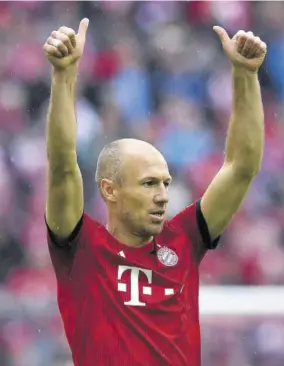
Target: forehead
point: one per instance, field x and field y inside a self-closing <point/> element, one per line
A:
<point x="149" y="164"/>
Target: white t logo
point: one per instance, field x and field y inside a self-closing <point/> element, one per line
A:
<point x="134" y="284"/>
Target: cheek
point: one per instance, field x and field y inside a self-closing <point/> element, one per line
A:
<point x="136" y="204"/>
<point x="131" y="213"/>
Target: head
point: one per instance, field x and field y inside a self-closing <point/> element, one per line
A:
<point x="133" y="179"/>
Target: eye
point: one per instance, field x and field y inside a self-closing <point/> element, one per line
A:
<point x="150" y="183"/>
<point x="166" y="184"/>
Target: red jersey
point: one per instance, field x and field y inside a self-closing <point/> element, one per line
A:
<point x="125" y="306"/>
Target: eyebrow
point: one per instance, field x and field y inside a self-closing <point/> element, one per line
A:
<point x="157" y="179"/>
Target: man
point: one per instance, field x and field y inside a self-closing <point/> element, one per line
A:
<point x="128" y="292"/>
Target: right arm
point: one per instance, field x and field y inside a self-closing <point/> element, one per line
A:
<point x="64" y="204"/>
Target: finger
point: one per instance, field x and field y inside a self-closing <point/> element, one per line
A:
<point x="64" y="39"/>
<point x="51" y="51"/>
<point x="256" y="44"/>
<point x="247" y="46"/>
<point x="222" y="34"/>
<point x="261" y="50"/>
<point x="241" y="40"/>
<point x="58" y="44"/>
<point x="70" y="33"/>
<point x="83" y="27"/>
<point x="239" y="34"/>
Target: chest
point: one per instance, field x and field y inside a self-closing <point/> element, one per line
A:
<point x="141" y="279"/>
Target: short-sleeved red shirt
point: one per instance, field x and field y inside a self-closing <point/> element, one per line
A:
<point x="123" y="306"/>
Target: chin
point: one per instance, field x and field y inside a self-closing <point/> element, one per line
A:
<point x="157" y="229"/>
<point x="157" y="232"/>
<point x="150" y="231"/>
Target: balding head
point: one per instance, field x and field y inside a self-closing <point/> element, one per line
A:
<point x="115" y="155"/>
<point x="133" y="179"/>
<point x="109" y="163"/>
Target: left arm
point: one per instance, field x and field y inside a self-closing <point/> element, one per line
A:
<point x="245" y="138"/>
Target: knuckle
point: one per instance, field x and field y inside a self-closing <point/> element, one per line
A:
<point x="71" y="35"/>
<point x="57" y="42"/>
<point x="54" y="34"/>
<point x="240" y="32"/>
<point x="64" y="38"/>
<point x="250" y="41"/>
<point x="69" y="31"/>
<point x="250" y="37"/>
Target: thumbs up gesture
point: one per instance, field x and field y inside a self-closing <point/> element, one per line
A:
<point x="244" y="50"/>
<point x="64" y="47"/>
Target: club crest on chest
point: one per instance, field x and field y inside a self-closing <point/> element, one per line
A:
<point x="167" y="256"/>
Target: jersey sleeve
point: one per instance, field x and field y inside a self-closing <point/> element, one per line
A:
<point x="193" y="224"/>
<point x="63" y="252"/>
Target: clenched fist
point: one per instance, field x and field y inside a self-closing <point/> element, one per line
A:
<point x="244" y="50"/>
<point x="64" y="47"/>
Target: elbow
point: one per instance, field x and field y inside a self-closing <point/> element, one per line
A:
<point x="65" y="162"/>
<point x="61" y="167"/>
<point x="247" y="170"/>
<point x="247" y="163"/>
<point x="247" y="174"/>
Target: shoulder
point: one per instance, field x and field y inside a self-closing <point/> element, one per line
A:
<point x="89" y="225"/>
<point x="191" y="224"/>
<point x="76" y="247"/>
<point x="83" y="229"/>
<point x="185" y="221"/>
<point x="179" y="232"/>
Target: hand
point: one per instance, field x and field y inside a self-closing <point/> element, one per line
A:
<point x="64" y="47"/>
<point x="244" y="50"/>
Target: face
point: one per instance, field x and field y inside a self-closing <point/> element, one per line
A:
<point x="143" y="195"/>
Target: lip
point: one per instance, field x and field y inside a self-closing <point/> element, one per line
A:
<point x="157" y="218"/>
<point x="161" y="211"/>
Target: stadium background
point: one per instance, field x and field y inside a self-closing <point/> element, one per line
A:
<point x="156" y="71"/>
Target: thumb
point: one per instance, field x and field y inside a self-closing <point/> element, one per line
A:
<point x="83" y="26"/>
<point x="222" y="34"/>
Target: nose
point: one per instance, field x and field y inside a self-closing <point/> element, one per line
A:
<point x="162" y="197"/>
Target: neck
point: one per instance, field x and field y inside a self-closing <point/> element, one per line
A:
<point x="127" y="238"/>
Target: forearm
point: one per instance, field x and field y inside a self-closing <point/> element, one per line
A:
<point x="244" y="144"/>
<point x="61" y="120"/>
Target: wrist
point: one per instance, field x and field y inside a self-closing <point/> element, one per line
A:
<point x="241" y="71"/>
<point x="66" y="74"/>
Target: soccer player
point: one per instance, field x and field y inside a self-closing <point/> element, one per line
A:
<point x="128" y="291"/>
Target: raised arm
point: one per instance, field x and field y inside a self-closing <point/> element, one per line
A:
<point x="245" y="137"/>
<point x="64" y="203"/>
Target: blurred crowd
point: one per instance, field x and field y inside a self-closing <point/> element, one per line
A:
<point x="154" y="71"/>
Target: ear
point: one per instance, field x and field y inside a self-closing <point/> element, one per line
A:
<point x="108" y="190"/>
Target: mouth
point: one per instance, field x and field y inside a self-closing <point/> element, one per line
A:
<point x="158" y="215"/>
